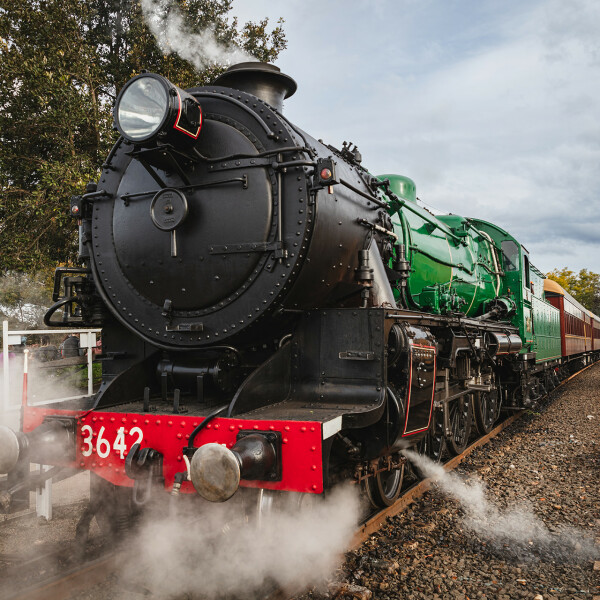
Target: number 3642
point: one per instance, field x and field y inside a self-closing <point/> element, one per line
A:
<point x="104" y="445"/>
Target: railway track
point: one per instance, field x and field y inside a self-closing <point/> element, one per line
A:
<point x="86" y="575"/>
<point x="70" y="582"/>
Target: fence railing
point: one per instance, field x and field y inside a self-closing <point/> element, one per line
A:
<point x="87" y="341"/>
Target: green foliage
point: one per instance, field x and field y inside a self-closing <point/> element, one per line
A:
<point x="24" y="299"/>
<point x="61" y="65"/>
<point x="583" y="286"/>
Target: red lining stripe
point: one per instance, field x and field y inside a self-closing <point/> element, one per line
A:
<point x="176" y="126"/>
<point x="405" y="433"/>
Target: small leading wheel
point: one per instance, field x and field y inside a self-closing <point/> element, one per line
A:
<point x="487" y="410"/>
<point x="264" y="503"/>
<point x="384" y="488"/>
<point x="460" y="424"/>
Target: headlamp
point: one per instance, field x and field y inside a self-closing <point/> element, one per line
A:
<point x="150" y="107"/>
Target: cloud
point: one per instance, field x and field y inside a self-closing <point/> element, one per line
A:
<point x="491" y="107"/>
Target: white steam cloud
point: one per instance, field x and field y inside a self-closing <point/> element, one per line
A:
<point x="43" y="385"/>
<point x="214" y="552"/>
<point x="173" y="35"/>
<point x="517" y="529"/>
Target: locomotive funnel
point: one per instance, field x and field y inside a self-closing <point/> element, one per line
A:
<point x="263" y="80"/>
<point x="216" y="471"/>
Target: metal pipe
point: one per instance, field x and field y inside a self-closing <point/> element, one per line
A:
<point x="381" y="292"/>
<point x="377" y="201"/>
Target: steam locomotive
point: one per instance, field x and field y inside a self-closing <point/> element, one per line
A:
<point x="278" y="319"/>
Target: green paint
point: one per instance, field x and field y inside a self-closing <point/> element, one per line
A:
<point x="460" y="264"/>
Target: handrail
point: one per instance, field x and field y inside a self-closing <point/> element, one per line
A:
<point x="13" y="337"/>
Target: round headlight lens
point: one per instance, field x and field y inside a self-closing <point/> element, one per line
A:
<point x="142" y="108"/>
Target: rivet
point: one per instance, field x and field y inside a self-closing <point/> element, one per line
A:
<point x="112" y="419"/>
<point x="312" y="428"/>
<point x="94" y="419"/>
<point x="313" y="448"/>
<point x="135" y="420"/>
<point x="179" y="458"/>
<point x="303" y="429"/>
<point x="146" y="422"/>
<point x="179" y="436"/>
<point x="123" y="420"/>
<point x="255" y="427"/>
<point x="314" y="467"/>
<point x="102" y="418"/>
<point x="209" y="426"/>
<point x="287" y="427"/>
<point x="314" y="487"/>
<point x="285" y="440"/>
<point x="158" y="421"/>
<point x="170" y="423"/>
<point x="82" y="464"/>
<point x="231" y="427"/>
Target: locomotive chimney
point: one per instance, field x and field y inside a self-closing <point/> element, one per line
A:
<point x="263" y="80"/>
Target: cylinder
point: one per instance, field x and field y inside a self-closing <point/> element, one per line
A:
<point x="515" y="343"/>
<point x="502" y="343"/>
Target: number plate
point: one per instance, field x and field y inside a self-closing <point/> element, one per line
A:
<point x="103" y="444"/>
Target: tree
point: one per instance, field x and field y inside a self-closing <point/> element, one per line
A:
<point x="583" y="286"/>
<point x="61" y="65"/>
<point x="24" y="299"/>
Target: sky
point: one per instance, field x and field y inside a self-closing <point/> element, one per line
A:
<point x="490" y="106"/>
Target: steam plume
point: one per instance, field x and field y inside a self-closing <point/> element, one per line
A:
<point x="515" y="528"/>
<point x="214" y="553"/>
<point x="202" y="48"/>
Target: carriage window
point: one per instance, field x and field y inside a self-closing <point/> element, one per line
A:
<point x="510" y="255"/>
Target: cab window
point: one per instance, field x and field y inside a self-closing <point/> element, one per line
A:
<point x="510" y="255"/>
<point x="526" y="275"/>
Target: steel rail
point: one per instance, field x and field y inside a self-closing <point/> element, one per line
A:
<point x="74" y="580"/>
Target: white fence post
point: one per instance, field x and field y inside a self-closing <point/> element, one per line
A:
<point x="89" y="341"/>
<point x="43" y="496"/>
<point x="5" y="369"/>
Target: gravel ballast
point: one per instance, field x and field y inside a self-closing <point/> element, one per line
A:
<point x="545" y="471"/>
